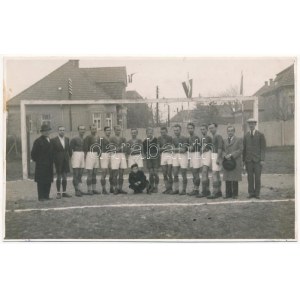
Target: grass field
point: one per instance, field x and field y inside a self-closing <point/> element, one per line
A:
<point x="156" y="216"/>
<point x="153" y="216"/>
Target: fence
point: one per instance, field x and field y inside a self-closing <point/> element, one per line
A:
<point x="278" y="133"/>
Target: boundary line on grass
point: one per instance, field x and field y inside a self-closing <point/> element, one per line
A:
<point x="179" y="204"/>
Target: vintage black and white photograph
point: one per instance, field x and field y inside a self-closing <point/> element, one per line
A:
<point x="158" y="148"/>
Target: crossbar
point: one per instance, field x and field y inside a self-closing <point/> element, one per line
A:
<point x="204" y="100"/>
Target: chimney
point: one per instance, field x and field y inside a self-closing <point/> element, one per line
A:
<point x="74" y="62"/>
<point x="266" y="83"/>
<point x="271" y="82"/>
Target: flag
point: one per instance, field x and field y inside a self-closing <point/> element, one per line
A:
<point x="188" y="88"/>
<point x="130" y="77"/>
<point x="242" y="84"/>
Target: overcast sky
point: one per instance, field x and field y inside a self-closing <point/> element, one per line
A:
<point x="211" y="76"/>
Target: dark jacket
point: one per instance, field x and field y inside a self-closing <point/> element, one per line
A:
<point x="61" y="155"/>
<point x="135" y="177"/>
<point x="254" y="147"/>
<point x="42" y="155"/>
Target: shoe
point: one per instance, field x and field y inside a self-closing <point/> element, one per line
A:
<point x="42" y="199"/>
<point x="256" y="197"/>
<point x="122" y="192"/>
<point x="165" y="191"/>
<point x="116" y="192"/>
<point x="138" y="192"/>
<point x="212" y="196"/>
<point x="250" y="196"/>
<point x="174" y="192"/>
<point x="202" y="195"/>
<point x="78" y="194"/>
<point x="66" y="195"/>
<point x="49" y="198"/>
<point x="182" y="193"/>
<point x="227" y="197"/>
<point x="155" y="190"/>
<point x="111" y="190"/>
<point x="96" y="192"/>
<point x="90" y="193"/>
<point x="219" y="194"/>
<point x="58" y="196"/>
<point x="193" y="193"/>
<point x="234" y="197"/>
<point x="104" y="192"/>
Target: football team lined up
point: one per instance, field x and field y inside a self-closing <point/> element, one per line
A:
<point x="174" y="154"/>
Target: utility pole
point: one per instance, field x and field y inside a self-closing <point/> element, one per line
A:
<point x="70" y="93"/>
<point x="157" y="109"/>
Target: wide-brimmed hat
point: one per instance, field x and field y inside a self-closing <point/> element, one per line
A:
<point x="251" y="120"/>
<point x="45" y="127"/>
<point x="229" y="164"/>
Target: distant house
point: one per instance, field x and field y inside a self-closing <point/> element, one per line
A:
<point x="277" y="97"/>
<point x="85" y="84"/>
<point x="139" y="115"/>
<point x="204" y="114"/>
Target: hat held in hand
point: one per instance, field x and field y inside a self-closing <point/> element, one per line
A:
<point x="229" y="164"/>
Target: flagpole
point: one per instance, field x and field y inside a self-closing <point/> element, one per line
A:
<point x="241" y="94"/>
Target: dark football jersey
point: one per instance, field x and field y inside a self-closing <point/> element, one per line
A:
<point x="118" y="144"/>
<point x="135" y="147"/>
<point x="180" y="143"/>
<point x="206" y="143"/>
<point x="150" y="147"/>
<point x="165" y="143"/>
<point x="105" y="144"/>
<point x="91" y="144"/>
<point x="217" y="142"/>
<point x="195" y="142"/>
<point x="76" y="144"/>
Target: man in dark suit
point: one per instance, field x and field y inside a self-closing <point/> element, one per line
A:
<point x="61" y="157"/>
<point x="254" y="157"/>
<point x="42" y="155"/>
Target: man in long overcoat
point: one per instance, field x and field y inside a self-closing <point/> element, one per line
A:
<point x="42" y="155"/>
<point x="233" y="149"/>
<point x="61" y="157"/>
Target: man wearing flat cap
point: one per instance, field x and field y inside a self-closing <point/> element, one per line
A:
<point x="254" y="157"/>
<point x="42" y="155"/>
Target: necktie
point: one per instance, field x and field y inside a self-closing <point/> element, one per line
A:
<point x="229" y="140"/>
<point x="251" y="133"/>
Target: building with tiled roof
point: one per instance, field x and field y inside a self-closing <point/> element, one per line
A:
<point x="276" y="97"/>
<point x="139" y="115"/>
<point x="87" y="84"/>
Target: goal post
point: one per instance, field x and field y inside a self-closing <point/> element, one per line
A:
<point x="24" y="104"/>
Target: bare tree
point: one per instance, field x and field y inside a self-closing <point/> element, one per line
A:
<point x="280" y="109"/>
<point x="232" y="91"/>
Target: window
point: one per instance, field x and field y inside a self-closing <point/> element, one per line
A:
<point x="29" y="123"/>
<point x="97" y="120"/>
<point x="108" y="120"/>
<point x="46" y="119"/>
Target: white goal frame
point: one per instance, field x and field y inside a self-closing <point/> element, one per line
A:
<point x="204" y="100"/>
